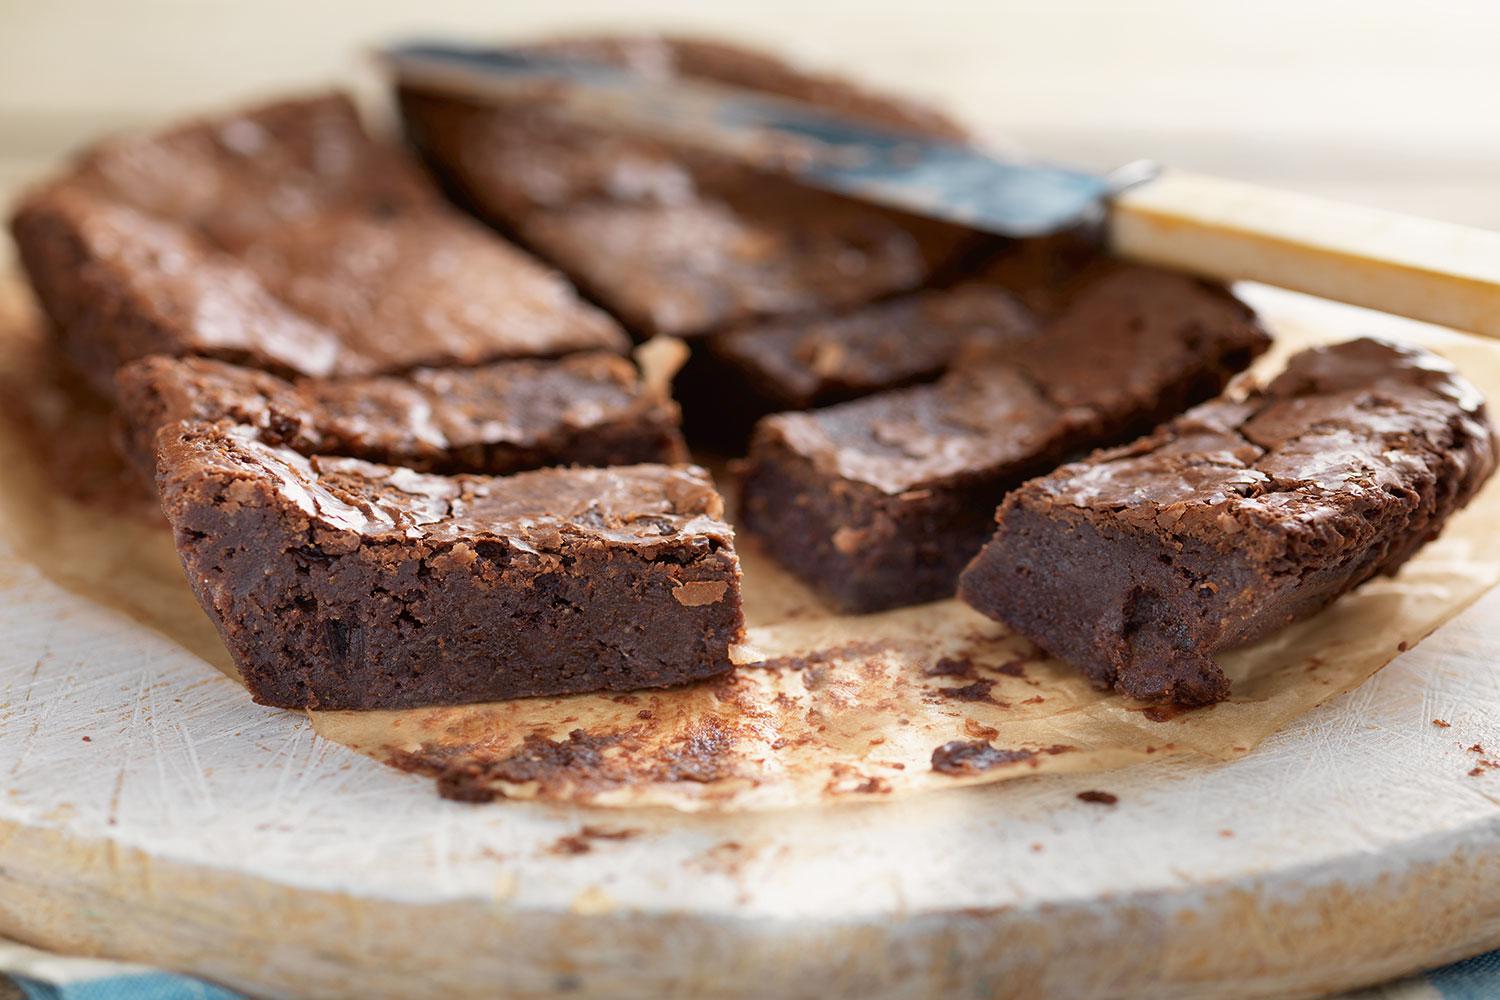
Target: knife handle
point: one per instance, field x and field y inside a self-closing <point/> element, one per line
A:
<point x="1427" y="270"/>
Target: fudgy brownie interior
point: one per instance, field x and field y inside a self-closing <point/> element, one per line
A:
<point x="338" y="583"/>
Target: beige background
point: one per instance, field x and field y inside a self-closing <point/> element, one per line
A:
<point x="1389" y="103"/>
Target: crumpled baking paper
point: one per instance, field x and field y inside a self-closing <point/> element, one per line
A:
<point x="823" y="708"/>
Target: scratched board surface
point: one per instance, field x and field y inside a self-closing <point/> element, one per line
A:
<point x="151" y="811"/>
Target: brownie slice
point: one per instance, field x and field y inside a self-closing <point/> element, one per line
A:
<point x="799" y="363"/>
<point x="882" y="501"/>
<point x="1138" y="564"/>
<point x="673" y="241"/>
<point x="286" y="238"/>
<point x="592" y="408"/>
<point x="1046" y="274"/>
<point x="340" y="584"/>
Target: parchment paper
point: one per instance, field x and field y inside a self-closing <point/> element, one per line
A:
<point x="824" y="708"/>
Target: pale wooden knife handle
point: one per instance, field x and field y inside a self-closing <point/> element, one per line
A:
<point x="1427" y="270"/>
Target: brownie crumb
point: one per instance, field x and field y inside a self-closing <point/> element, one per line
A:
<point x="570" y="845"/>
<point x="872" y="786"/>
<point x="975" y="729"/>
<point x="1012" y="668"/>
<point x="582" y="842"/>
<point x="1098" y="797"/>
<point x="950" y="666"/>
<point x="1441" y="723"/>
<point x="974" y="757"/>
<point x="977" y="691"/>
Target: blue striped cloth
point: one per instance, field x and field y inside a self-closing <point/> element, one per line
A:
<point x="135" y="986"/>
<point x="34" y="975"/>
<point x="1477" y="978"/>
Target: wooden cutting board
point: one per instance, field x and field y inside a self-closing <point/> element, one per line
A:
<point x="149" y="811"/>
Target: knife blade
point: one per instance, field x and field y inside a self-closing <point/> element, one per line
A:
<point x="905" y="170"/>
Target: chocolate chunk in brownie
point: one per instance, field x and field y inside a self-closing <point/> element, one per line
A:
<point x="341" y="584"/>
<point x="287" y="238"/>
<point x="1138" y="564"/>
<point x="882" y="501"/>
<point x="799" y="363"/>
<point x="592" y="408"/>
<point x="681" y="242"/>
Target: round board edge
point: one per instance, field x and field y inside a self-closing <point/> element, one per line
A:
<point x="1293" y="933"/>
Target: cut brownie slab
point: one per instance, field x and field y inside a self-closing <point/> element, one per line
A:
<point x="340" y="584"/>
<point x="592" y="408"/>
<point x="880" y="502"/>
<point x="803" y="362"/>
<point x="1047" y="273"/>
<point x="678" y="242"/>
<point x="287" y="238"/>
<point x="1139" y="563"/>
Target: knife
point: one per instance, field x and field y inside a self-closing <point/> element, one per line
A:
<point x="1435" y="271"/>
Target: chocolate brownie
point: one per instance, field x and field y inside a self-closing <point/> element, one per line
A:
<point x="1138" y="564"/>
<point x="340" y="584"/>
<point x="799" y="363"/>
<point x="1047" y="273"/>
<point x="882" y="501"/>
<point x="287" y="238"/>
<point x="592" y="408"/>
<point x="673" y="241"/>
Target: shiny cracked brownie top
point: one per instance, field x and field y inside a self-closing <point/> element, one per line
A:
<point x="1347" y="439"/>
<point x="673" y="241"/>
<point x="1131" y="337"/>
<point x="347" y="502"/>
<point x="437" y="419"/>
<point x="286" y="236"/>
